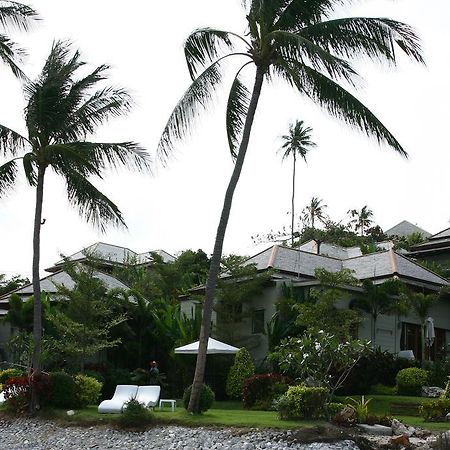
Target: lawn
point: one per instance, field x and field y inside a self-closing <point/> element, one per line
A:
<point x="232" y="414"/>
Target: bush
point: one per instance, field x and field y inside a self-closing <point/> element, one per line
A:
<point x="87" y="391"/>
<point x="334" y="408"/>
<point x="206" y="398"/>
<point x="381" y="389"/>
<point x="261" y="390"/>
<point x="10" y="373"/>
<point x="411" y="380"/>
<point x="62" y="390"/>
<point x="435" y="409"/>
<point x="17" y="394"/>
<point x="302" y="402"/>
<point x="135" y="415"/>
<point x="446" y="393"/>
<point x="439" y="371"/>
<point x="242" y="369"/>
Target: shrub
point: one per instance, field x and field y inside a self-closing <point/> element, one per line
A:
<point x="261" y="390"/>
<point x="435" y="409"/>
<point x="17" y="393"/>
<point x="242" y="369"/>
<point x="10" y="373"/>
<point x="381" y="389"/>
<point x="87" y="391"/>
<point x="62" y="390"/>
<point x="439" y="371"/>
<point x="334" y="408"/>
<point x="206" y="398"/>
<point x="135" y="415"/>
<point x="446" y="393"/>
<point x="361" y="408"/>
<point x="411" y="380"/>
<point x="303" y="402"/>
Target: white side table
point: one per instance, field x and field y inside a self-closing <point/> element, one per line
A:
<point x="172" y="403"/>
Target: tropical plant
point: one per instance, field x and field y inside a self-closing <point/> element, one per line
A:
<point x="297" y="42"/>
<point x="314" y="210"/>
<point x="241" y="369"/>
<point x="361" y="407"/>
<point x="361" y="219"/>
<point x="296" y="143"/>
<point x="19" y="16"/>
<point x="376" y="299"/>
<point x="61" y="112"/>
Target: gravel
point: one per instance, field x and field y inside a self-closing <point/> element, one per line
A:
<point x="29" y="434"/>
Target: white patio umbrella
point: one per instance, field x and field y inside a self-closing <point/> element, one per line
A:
<point x="429" y="331"/>
<point x="214" y="347"/>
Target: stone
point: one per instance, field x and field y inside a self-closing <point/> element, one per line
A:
<point x="399" y="428"/>
<point x="379" y="430"/>
<point x="432" y="391"/>
<point x="400" y="441"/>
<point x="346" y="417"/>
<point x="71" y="412"/>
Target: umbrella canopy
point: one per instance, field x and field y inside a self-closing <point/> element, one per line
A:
<point x="429" y="331"/>
<point x="214" y="346"/>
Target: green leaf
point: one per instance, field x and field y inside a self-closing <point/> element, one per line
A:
<point x="8" y="174"/>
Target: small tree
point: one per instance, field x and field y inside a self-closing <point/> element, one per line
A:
<point x="242" y="369"/>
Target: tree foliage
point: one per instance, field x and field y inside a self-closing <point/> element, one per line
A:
<point x="241" y="369"/>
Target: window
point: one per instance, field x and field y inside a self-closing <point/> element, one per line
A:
<point x="258" y="321"/>
<point x="411" y="340"/>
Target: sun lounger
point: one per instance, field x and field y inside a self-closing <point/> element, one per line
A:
<point x="123" y="393"/>
<point x="148" y="395"/>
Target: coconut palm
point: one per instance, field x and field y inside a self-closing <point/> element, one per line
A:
<point x="315" y="210"/>
<point x="61" y="112"/>
<point x="361" y="219"/>
<point x="13" y="15"/>
<point x="296" y="143"/>
<point x="295" y="41"/>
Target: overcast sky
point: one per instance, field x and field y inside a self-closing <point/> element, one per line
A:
<point x="178" y="208"/>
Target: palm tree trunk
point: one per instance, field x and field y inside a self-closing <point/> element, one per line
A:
<point x="37" y="305"/>
<point x="293" y="198"/>
<point x="214" y="267"/>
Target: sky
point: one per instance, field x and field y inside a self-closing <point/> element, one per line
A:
<point x="178" y="207"/>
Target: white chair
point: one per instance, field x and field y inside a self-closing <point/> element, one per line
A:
<point x="148" y="395"/>
<point x="122" y="394"/>
<point x="2" y="397"/>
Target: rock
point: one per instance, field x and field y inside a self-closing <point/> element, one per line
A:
<point x="71" y="412"/>
<point x="400" y="429"/>
<point x="346" y="417"/>
<point x="432" y="391"/>
<point x="400" y="441"/>
<point x="379" y="430"/>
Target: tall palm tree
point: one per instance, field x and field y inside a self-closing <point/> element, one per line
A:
<point x="13" y="15"/>
<point x="315" y="210"/>
<point x="61" y="112"/>
<point x="296" y="143"/>
<point x="297" y="42"/>
<point x="361" y="219"/>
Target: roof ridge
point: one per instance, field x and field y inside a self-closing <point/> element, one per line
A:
<point x="273" y="256"/>
<point x="422" y="267"/>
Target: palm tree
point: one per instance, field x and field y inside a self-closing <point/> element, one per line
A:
<point x="315" y="210"/>
<point x="61" y="112"/>
<point x="361" y="219"/>
<point x="13" y="15"/>
<point x="297" y="42"/>
<point x="297" y="143"/>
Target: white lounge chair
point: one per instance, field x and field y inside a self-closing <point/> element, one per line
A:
<point x="122" y="394"/>
<point x="2" y="397"/>
<point x="148" y="395"/>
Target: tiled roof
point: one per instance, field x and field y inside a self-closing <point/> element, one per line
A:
<point x="444" y="234"/>
<point x="406" y="228"/>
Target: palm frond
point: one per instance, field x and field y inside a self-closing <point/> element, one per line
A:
<point x="337" y="101"/>
<point x="92" y="205"/>
<point x="8" y="175"/>
<point x="11" y="142"/>
<point x="204" y="46"/>
<point x="11" y="56"/>
<point x="237" y="108"/>
<point x="293" y="46"/>
<point x="366" y="36"/>
<point x="30" y="168"/>
<point x="17" y="15"/>
<point x="196" y="97"/>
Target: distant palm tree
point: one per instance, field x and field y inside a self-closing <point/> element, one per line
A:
<point x="315" y="210"/>
<point x="294" y="41"/>
<point x="361" y="219"/>
<point x="297" y="143"/>
<point x="13" y="15"/>
<point x="61" y="112"/>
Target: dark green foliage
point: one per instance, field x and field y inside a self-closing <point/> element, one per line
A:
<point x="10" y="373"/>
<point x="206" y="400"/>
<point x="11" y="284"/>
<point x="87" y="390"/>
<point x="135" y="415"/>
<point x="406" y="242"/>
<point x="439" y="371"/>
<point x="303" y="402"/>
<point x="334" y="407"/>
<point x="62" y="390"/>
<point x="242" y="369"/>
<point x="435" y="410"/>
<point x="411" y="380"/>
<point x="261" y="390"/>
<point x="374" y="367"/>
